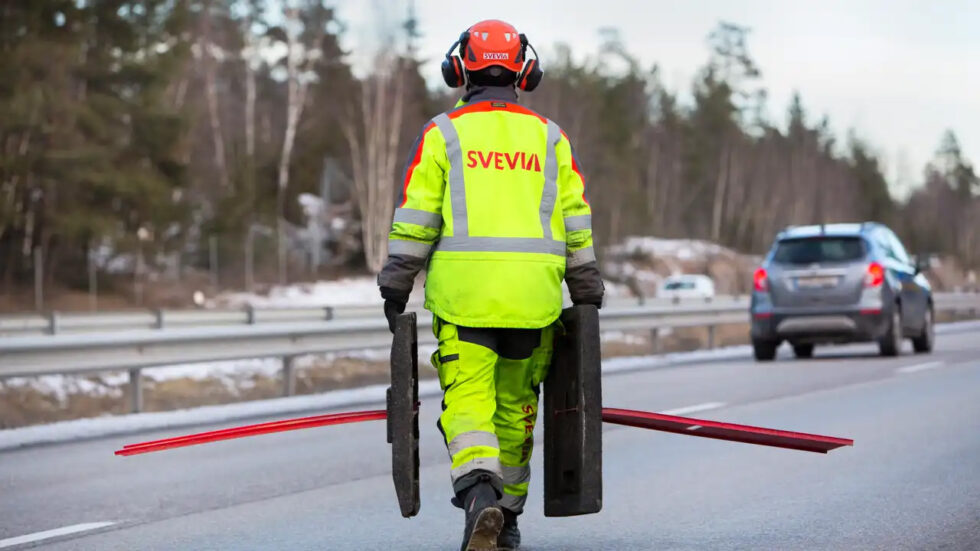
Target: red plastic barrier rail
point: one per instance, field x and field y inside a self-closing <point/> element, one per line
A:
<point x="724" y="431"/>
<point x="253" y="430"/>
<point x="641" y="419"/>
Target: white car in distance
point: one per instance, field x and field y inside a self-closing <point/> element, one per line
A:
<point x="687" y="286"/>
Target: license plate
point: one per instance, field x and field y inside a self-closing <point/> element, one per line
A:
<point x="822" y="282"/>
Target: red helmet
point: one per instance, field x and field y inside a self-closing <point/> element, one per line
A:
<point x="493" y="42"/>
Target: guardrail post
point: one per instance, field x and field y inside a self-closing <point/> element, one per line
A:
<point x="711" y="337"/>
<point x="159" y="318"/>
<point x="328" y="313"/>
<point x="288" y="376"/>
<point x="52" y="323"/>
<point x="655" y="340"/>
<point x="250" y="314"/>
<point x="135" y="391"/>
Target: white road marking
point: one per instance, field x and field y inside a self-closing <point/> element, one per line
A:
<point x="695" y="408"/>
<point x="919" y="367"/>
<point x="48" y="534"/>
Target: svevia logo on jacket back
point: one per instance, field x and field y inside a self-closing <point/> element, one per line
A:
<point x="517" y="160"/>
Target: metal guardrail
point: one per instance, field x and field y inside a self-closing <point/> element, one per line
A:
<point x="79" y="353"/>
<point x="55" y="323"/>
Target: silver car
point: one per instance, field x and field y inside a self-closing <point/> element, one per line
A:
<point x="838" y="283"/>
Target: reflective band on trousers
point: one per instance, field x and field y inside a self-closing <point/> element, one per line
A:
<point x="579" y="257"/>
<point x="472" y="438"/>
<point x="409" y="248"/>
<point x="457" y="191"/>
<point x="580" y="222"/>
<point x="491" y="464"/>
<point x="418" y="217"/>
<point x="502" y="245"/>
<point x="516" y="475"/>
<point x="457" y="186"/>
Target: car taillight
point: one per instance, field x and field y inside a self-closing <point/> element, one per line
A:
<point x="875" y="276"/>
<point x="760" y="280"/>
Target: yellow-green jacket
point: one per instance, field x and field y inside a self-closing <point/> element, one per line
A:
<point x="494" y="201"/>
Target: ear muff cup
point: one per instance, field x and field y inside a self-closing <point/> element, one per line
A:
<point x="452" y="71"/>
<point x="531" y="76"/>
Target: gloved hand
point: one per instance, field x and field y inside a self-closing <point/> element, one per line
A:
<point x="395" y="301"/>
<point x="392" y="309"/>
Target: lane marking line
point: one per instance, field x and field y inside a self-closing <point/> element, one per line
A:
<point x="919" y="367"/>
<point x="48" y="534"/>
<point x="695" y="408"/>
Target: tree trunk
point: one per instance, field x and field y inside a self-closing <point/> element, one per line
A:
<point x="211" y="94"/>
<point x="374" y="145"/>
<point x="721" y="187"/>
<point x="296" y="88"/>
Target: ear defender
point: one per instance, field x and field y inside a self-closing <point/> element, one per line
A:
<point x="531" y="75"/>
<point x="452" y="66"/>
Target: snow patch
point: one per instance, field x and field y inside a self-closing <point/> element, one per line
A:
<point x="683" y="249"/>
<point x="354" y="291"/>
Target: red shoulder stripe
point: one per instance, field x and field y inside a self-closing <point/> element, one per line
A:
<point x="575" y="167"/>
<point x="415" y="162"/>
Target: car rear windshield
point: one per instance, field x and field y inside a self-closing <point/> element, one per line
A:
<point x="819" y="249"/>
<point x="678" y="285"/>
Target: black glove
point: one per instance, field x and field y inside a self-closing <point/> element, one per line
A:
<point x="392" y="309"/>
<point x="395" y="301"/>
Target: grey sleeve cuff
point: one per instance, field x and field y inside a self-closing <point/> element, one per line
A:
<point x="399" y="272"/>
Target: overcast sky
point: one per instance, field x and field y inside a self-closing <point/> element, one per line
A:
<point x="899" y="72"/>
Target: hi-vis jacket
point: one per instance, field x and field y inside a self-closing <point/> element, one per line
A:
<point x="494" y="201"/>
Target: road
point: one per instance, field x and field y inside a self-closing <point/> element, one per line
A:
<point x="912" y="480"/>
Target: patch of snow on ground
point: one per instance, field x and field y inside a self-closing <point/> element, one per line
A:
<point x="355" y="291"/>
<point x="620" y="336"/>
<point x="683" y="249"/>
<point x="62" y="386"/>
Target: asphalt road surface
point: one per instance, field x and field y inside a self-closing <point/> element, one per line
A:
<point x="912" y="480"/>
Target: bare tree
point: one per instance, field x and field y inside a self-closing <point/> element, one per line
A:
<point x="301" y="34"/>
<point x="372" y="133"/>
<point x="206" y="50"/>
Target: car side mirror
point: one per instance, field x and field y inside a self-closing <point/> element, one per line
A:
<point x="922" y="263"/>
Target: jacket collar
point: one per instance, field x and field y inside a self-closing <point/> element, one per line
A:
<point x="486" y="93"/>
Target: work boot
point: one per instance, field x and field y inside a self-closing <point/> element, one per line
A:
<point x="483" y="517"/>
<point x="510" y="537"/>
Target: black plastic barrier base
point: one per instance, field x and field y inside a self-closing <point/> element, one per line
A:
<point x="573" y="418"/>
<point x="403" y="414"/>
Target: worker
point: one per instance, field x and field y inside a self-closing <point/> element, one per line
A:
<point x="493" y="206"/>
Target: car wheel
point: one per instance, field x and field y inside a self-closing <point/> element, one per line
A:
<point x="803" y="350"/>
<point x="924" y="342"/>
<point x="765" y="351"/>
<point x="890" y="344"/>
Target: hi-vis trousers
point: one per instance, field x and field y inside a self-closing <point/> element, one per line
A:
<point x="491" y="378"/>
